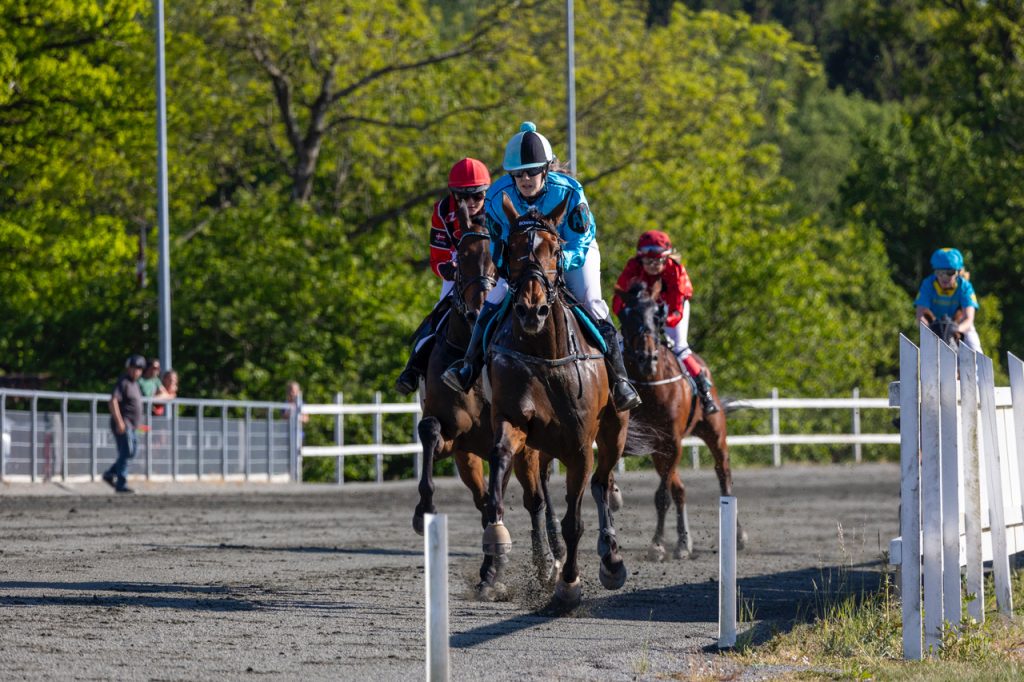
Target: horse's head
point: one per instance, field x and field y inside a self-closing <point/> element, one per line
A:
<point x="535" y="262"/>
<point x="643" y="321"/>
<point x="945" y="327"/>
<point x="475" y="275"/>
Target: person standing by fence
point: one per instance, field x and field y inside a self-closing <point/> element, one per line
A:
<point x="125" y="418"/>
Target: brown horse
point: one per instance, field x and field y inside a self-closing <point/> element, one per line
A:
<point x="946" y="327"/>
<point x="672" y="410"/>
<point x="549" y="390"/>
<point x="459" y="424"/>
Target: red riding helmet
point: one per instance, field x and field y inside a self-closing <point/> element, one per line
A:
<point x="469" y="175"/>
<point x="654" y="243"/>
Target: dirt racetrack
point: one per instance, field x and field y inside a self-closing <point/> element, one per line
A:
<point x="224" y="581"/>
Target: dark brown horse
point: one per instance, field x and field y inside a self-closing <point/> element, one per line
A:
<point x="946" y="327"/>
<point x="671" y="409"/>
<point x="459" y="424"/>
<point x="549" y="390"/>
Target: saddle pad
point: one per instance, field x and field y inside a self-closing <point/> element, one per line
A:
<point x="589" y="328"/>
<point x="496" y="321"/>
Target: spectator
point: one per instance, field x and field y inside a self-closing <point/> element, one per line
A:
<point x="168" y="391"/>
<point x="150" y="384"/>
<point x="125" y="418"/>
<point x="293" y="396"/>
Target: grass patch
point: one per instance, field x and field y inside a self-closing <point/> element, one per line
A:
<point x="844" y="634"/>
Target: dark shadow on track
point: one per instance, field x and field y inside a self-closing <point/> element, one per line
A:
<point x="150" y="595"/>
<point x="778" y="601"/>
<point x="371" y="551"/>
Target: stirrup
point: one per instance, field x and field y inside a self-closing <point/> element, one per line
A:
<point x="453" y="377"/>
<point x="407" y="382"/>
<point x="624" y="396"/>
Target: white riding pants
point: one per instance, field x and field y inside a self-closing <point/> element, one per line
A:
<point x="677" y="334"/>
<point x="972" y="340"/>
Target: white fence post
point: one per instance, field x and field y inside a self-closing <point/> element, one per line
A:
<point x="910" y="510"/>
<point x="378" y="438"/>
<point x="435" y="548"/>
<point x="975" y="582"/>
<point x="726" y="572"/>
<point x="857" y="452"/>
<point x="950" y="467"/>
<point x="339" y="440"/>
<point x="931" y="490"/>
<point x="776" y="447"/>
<point x="993" y="474"/>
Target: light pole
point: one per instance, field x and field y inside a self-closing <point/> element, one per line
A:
<point x="164" y="266"/>
<point x="570" y="79"/>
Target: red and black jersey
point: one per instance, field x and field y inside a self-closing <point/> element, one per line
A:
<point x="675" y="286"/>
<point x="445" y="232"/>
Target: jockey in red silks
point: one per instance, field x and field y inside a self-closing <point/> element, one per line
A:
<point x="654" y="260"/>
<point x="468" y="181"/>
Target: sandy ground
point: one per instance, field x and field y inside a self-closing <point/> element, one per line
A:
<point x="187" y="581"/>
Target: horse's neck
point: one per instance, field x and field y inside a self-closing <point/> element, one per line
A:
<point x="459" y="330"/>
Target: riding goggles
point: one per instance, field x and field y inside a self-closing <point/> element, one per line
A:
<point x="653" y="260"/>
<point x="947" y="273"/>
<point x="528" y="172"/>
<point x="474" y="195"/>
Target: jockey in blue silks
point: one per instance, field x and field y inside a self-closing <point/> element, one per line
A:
<point x="531" y="183"/>
<point x="948" y="292"/>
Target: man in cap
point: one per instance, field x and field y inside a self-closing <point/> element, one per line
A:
<point x="125" y="418"/>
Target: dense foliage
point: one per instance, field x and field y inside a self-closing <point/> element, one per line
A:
<point x="806" y="157"/>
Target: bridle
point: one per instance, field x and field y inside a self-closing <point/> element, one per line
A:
<point x="461" y="285"/>
<point x="533" y="268"/>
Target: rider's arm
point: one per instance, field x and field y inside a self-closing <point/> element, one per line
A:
<point x="676" y="289"/>
<point x="967" y="323"/>
<point x="921" y="311"/>
<point x="578" y="230"/>
<point x="440" y="246"/>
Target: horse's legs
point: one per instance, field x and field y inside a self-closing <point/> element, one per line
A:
<point x="527" y="469"/>
<point x="656" y="552"/>
<point x="711" y="430"/>
<point x="429" y="429"/>
<point x="553" y="526"/>
<point x="471" y="471"/>
<point x="684" y="545"/>
<point x="568" y="589"/>
<point x="496" y="541"/>
<point x="611" y="439"/>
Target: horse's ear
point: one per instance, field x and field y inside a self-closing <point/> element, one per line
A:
<point x="558" y="212"/>
<point x="464" y="218"/>
<point x="509" y="208"/>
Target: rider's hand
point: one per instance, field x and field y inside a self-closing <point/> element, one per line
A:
<point x="447" y="270"/>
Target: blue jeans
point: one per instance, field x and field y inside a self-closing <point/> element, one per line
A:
<point x="126" y="448"/>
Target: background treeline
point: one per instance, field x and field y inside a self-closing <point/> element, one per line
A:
<point x="806" y="157"/>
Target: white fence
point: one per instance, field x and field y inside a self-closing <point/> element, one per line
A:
<point x="961" y="483"/>
<point x="774" y="406"/>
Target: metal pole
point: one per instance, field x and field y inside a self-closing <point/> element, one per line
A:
<point x="570" y="78"/>
<point x="435" y="546"/>
<point x="726" y="572"/>
<point x="163" y="228"/>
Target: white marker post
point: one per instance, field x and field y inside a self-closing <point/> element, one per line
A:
<point x="435" y="556"/>
<point x="726" y="572"/>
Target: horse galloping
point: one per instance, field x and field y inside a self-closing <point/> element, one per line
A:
<point x="549" y="390"/>
<point x="671" y="409"/>
<point x="459" y="424"/>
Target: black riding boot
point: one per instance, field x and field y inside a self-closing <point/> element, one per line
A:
<point x="707" y="400"/>
<point x="624" y="396"/>
<point x="409" y="380"/>
<point x="463" y="373"/>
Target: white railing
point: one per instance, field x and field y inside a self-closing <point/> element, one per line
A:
<point x="961" y="483"/>
<point x="776" y="439"/>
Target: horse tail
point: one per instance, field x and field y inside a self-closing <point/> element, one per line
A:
<point x="641" y="438"/>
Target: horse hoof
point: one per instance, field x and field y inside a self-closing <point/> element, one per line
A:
<point x="491" y="593"/>
<point x="497" y="541"/>
<point x="548" y="576"/>
<point x="568" y="595"/>
<point x="680" y="552"/>
<point x="613" y="579"/>
<point x="615" y="498"/>
<point x="656" y="553"/>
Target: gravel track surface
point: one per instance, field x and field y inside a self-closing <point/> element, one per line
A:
<point x="189" y="581"/>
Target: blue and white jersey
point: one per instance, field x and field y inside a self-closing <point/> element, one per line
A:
<point x="946" y="301"/>
<point x="577" y="228"/>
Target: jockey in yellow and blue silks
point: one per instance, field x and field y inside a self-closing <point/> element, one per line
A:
<point x="948" y="292"/>
<point x="532" y="183"/>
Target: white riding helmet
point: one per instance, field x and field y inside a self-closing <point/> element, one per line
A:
<point x="527" y="149"/>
